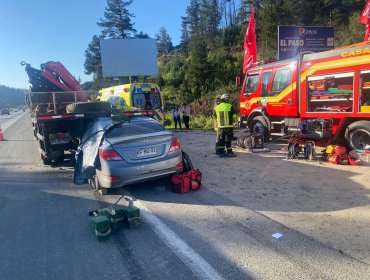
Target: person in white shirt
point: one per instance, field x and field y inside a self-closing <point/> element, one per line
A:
<point x="176" y="116"/>
<point x="185" y="110"/>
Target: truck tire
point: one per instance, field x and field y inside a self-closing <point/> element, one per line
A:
<point x="259" y="125"/>
<point x="358" y="135"/>
<point x="93" y="109"/>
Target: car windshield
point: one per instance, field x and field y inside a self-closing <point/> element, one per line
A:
<point x="135" y="127"/>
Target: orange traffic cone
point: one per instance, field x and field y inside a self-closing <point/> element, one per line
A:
<point x="1" y="135"/>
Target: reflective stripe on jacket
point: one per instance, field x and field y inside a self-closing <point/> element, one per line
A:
<point x="224" y="113"/>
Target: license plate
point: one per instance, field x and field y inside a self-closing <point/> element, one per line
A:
<point x="59" y="141"/>
<point x="146" y="152"/>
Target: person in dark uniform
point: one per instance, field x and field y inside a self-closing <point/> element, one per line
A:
<point x="225" y="115"/>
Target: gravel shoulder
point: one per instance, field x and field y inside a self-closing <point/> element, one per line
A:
<point x="329" y="203"/>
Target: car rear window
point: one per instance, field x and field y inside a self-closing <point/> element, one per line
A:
<point x="136" y="127"/>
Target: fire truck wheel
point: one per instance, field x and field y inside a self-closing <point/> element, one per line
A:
<point x="99" y="108"/>
<point x="359" y="135"/>
<point x="259" y="125"/>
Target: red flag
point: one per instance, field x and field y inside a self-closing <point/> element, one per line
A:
<point x="367" y="33"/>
<point x="365" y="19"/>
<point x="250" y="44"/>
<point x="365" y="16"/>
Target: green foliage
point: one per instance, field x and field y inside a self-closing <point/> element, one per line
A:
<point x="349" y="34"/>
<point x="117" y="20"/>
<point x="115" y="25"/>
<point x="210" y="55"/>
<point x="197" y="76"/>
<point x="164" y="43"/>
<point x="201" y="122"/>
<point x="92" y="57"/>
<point x="196" y="122"/>
<point x="168" y="122"/>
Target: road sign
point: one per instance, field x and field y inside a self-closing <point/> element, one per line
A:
<point x="295" y="39"/>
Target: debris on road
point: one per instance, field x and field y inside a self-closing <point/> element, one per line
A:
<point x="277" y="235"/>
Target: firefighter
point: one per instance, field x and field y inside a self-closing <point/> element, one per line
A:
<point x="225" y="114"/>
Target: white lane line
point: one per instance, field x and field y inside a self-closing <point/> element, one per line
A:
<point x="201" y="268"/>
<point x="9" y="122"/>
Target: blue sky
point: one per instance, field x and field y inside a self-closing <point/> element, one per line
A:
<point x="38" y="31"/>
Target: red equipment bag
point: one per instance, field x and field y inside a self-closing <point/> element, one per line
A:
<point x="187" y="181"/>
<point x="196" y="178"/>
<point x="180" y="183"/>
<point x="338" y="159"/>
<point x="333" y="158"/>
<point x="340" y="150"/>
<point x="354" y="161"/>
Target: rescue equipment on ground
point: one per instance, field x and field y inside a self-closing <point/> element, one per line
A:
<point x="101" y="226"/>
<point x="248" y="140"/>
<point x="104" y="220"/>
<point x="293" y="150"/>
<point x="115" y="214"/>
<point x="309" y="150"/>
<point x="337" y="154"/>
<point x="317" y="128"/>
<point x="187" y="181"/>
<point x="132" y="217"/>
<point x="363" y="156"/>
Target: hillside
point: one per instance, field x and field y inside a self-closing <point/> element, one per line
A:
<point x="11" y="96"/>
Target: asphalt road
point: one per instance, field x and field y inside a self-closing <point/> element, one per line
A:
<point x="44" y="232"/>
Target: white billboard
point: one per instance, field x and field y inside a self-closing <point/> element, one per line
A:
<point x="129" y="57"/>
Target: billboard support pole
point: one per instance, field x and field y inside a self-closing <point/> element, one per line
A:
<point x="298" y="87"/>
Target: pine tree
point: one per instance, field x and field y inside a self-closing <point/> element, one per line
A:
<point x="210" y="17"/>
<point x="93" y="57"/>
<point x="185" y="34"/>
<point x="164" y="43"/>
<point x="117" y="20"/>
<point x="193" y="16"/>
<point x="116" y="25"/>
<point x="142" y="35"/>
<point x="197" y="76"/>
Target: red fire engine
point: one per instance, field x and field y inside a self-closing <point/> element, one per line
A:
<point x="331" y="99"/>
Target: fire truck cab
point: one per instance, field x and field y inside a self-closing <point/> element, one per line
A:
<point x="321" y="95"/>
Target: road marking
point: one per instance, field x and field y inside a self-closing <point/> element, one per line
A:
<point x="201" y="268"/>
<point x="10" y="121"/>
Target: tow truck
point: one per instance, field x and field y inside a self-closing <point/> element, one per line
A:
<point x="60" y="110"/>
